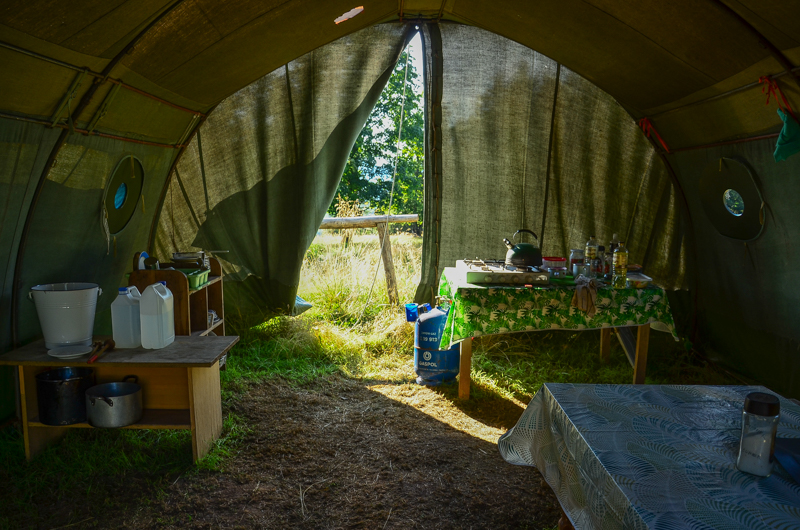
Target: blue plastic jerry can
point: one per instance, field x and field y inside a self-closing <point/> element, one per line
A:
<point x="432" y="365"/>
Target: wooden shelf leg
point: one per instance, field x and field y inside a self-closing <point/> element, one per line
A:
<point x="205" y="408"/>
<point x="465" y="369"/>
<point x="640" y="364"/>
<point x="605" y="344"/>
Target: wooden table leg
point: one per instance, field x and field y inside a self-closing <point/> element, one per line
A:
<point x="465" y="368"/>
<point x="205" y="409"/>
<point x="640" y="364"/>
<point x="605" y="344"/>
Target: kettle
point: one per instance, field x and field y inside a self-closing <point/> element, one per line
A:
<point x="523" y="254"/>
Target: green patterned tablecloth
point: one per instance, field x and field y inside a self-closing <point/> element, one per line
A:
<point x="652" y="457"/>
<point x="487" y="310"/>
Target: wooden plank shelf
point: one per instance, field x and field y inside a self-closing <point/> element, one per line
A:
<point x="151" y="419"/>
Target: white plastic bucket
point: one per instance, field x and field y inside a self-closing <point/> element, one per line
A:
<point x="66" y="312"/>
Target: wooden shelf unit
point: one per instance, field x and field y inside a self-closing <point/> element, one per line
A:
<point x="180" y="387"/>
<point x="191" y="305"/>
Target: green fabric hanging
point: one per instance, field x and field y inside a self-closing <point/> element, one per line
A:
<point x="789" y="139"/>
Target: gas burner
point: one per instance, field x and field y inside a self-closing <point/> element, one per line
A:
<point x="495" y="271"/>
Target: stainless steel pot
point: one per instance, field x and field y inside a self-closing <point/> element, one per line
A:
<point x="114" y="404"/>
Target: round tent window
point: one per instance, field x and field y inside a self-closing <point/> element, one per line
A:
<point x="732" y="180"/>
<point x="123" y="191"/>
<point x="733" y="202"/>
<point x="122" y="194"/>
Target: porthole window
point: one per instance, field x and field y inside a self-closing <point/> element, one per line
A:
<point x="120" y="196"/>
<point x="734" y="181"/>
<point x="733" y="202"/>
<point x="123" y="191"/>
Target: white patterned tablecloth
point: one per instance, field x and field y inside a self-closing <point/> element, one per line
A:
<point x="652" y="457"/>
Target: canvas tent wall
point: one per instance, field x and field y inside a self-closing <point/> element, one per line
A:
<point x="154" y="71"/>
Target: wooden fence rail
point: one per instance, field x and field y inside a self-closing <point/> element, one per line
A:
<point x="379" y="222"/>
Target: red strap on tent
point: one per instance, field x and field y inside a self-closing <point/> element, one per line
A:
<point x="772" y="89"/>
<point x="647" y="128"/>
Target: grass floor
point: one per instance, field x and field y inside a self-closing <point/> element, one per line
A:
<point x="351" y="330"/>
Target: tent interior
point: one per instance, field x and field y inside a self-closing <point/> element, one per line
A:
<point x="241" y="116"/>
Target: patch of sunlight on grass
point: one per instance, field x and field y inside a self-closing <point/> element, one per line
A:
<point x="440" y="407"/>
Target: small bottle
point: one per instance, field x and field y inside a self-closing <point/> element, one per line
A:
<point x="598" y="261"/>
<point x="614" y="244"/>
<point x="760" y="418"/>
<point x="608" y="261"/>
<point x="590" y="252"/>
<point x="620" y="267"/>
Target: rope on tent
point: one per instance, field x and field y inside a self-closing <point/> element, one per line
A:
<point x="771" y="88"/>
<point x="647" y="128"/>
<point x="106" y="231"/>
<point x="391" y="192"/>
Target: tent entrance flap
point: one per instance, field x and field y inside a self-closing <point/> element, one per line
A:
<point x="270" y="160"/>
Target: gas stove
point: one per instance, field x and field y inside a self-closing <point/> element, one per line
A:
<point x="495" y="271"/>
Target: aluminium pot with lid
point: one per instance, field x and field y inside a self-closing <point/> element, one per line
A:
<point x="113" y="405"/>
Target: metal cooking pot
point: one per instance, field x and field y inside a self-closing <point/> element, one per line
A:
<point x="114" y="404"/>
<point x="60" y="393"/>
<point x="523" y="254"/>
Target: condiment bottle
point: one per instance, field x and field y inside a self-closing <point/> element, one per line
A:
<point x="590" y="252"/>
<point x="759" y="425"/>
<point x="598" y="261"/>
<point x="575" y="256"/>
<point x="614" y="244"/>
<point x="608" y="260"/>
<point x="619" y="273"/>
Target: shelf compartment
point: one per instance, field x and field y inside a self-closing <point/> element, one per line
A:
<point x="204" y="332"/>
<point x="211" y="281"/>
<point x="151" y="419"/>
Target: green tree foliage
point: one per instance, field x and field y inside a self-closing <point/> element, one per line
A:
<point x="367" y="177"/>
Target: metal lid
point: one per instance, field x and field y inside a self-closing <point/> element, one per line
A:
<point x="762" y="404"/>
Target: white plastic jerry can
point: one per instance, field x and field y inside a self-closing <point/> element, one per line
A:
<point x="125" y="321"/>
<point x="157" y="313"/>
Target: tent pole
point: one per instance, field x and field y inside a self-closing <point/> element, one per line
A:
<point x="16" y="286"/>
<point x="549" y="155"/>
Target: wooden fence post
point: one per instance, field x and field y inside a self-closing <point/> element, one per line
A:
<point x="379" y="222"/>
<point x="388" y="263"/>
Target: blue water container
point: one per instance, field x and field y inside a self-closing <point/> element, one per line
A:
<point x="432" y="365"/>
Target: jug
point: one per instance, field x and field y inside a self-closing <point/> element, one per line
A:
<point x="125" y="321"/>
<point x="157" y="313"/>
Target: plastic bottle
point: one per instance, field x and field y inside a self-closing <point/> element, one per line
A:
<point x="125" y="321"/>
<point x="158" y="316"/>
<point x="591" y="251"/>
<point x="598" y="261"/>
<point x="612" y="246"/>
<point x="620" y="267"/>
